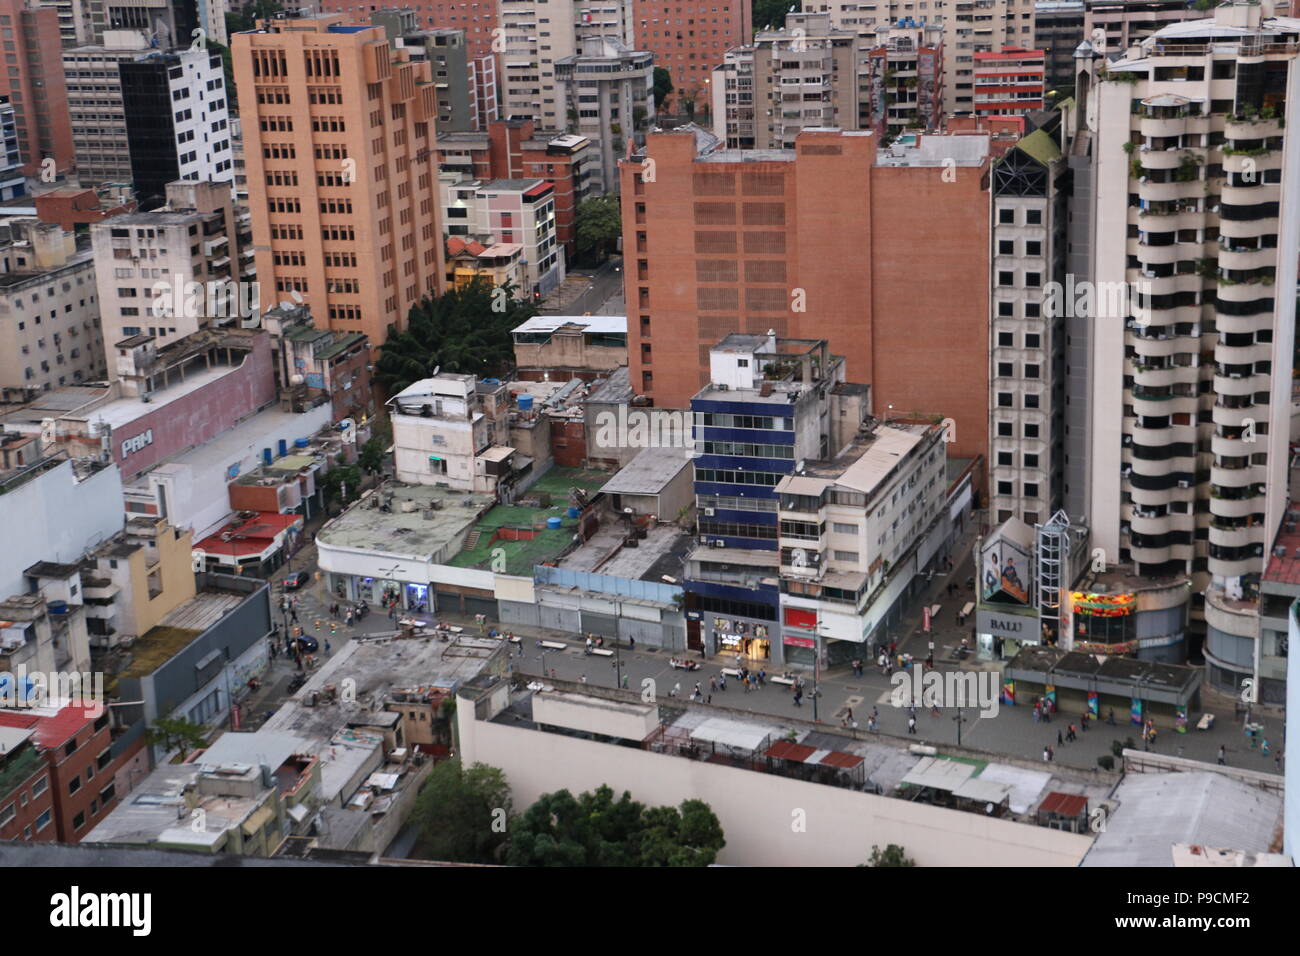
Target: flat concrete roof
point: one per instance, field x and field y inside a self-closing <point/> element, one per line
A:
<point x="368" y="528"/>
<point x="649" y="473"/>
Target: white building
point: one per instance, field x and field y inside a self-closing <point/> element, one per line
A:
<point x="49" y="311"/>
<point x="446" y="431"/>
<point x="508" y="211"/>
<point x="1196" y="203"/>
<point x="145" y="261"/>
<point x="607" y="92"/>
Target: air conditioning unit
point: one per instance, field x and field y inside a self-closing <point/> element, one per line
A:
<point x="1184" y="483"/>
<point x="708" y="512"/>
<point x="719" y="543"/>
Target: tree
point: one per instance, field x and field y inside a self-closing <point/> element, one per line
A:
<point x="663" y="86"/>
<point x="342" y="482"/>
<point x="246" y="17"/>
<point x="597" y="227"/>
<point x="462" y="330"/>
<point x="594" y="829"/>
<point x="770" y="14"/>
<point x="462" y="814"/>
<point x="172" y="732"/>
<point x="892" y="855"/>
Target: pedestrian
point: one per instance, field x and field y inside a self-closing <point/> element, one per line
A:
<point x="1046" y="755"/>
<point x="713" y="684"/>
<point x="1038" y="713"/>
<point x="588" y="645"/>
<point x="722" y="682"/>
<point x="874" y="713"/>
<point x="583" y="679"/>
<point x="871" y="723"/>
<point x="1060" y="739"/>
<point x="1263" y="750"/>
<point x="911" y="725"/>
<point x="677" y="690"/>
<point x="798" y="696"/>
<point x="631" y="643"/>
<point x="849" y="713"/>
<point x="698" y="693"/>
<point x="1051" y="754"/>
<point x="1083" y="721"/>
<point x="762" y="677"/>
<point x="626" y="678"/>
<point x="327" y="647"/>
<point x="1069" y="733"/>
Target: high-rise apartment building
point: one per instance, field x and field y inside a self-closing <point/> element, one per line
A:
<point x="537" y="33"/>
<point x="803" y="75"/>
<point x="1058" y="30"/>
<point x="448" y="57"/>
<point x="902" y="78"/>
<point x="34" y="85"/>
<point x="607" y="92"/>
<point x="340" y="150"/>
<point x="1010" y="82"/>
<point x="1027" y="347"/>
<point x="1194" y="209"/>
<point x="99" y="136"/>
<point x="1125" y="22"/>
<point x="882" y="252"/>
<point x="689" y="38"/>
<point x="477" y="19"/>
<point x="145" y="263"/>
<point x="969" y="27"/>
<point x="177" y="121"/>
<point x="508" y="212"/>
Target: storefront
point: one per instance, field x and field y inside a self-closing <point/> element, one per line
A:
<point x="736" y="635"/>
<point x="1002" y="630"/>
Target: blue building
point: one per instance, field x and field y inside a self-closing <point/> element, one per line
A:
<point x="768" y="406"/>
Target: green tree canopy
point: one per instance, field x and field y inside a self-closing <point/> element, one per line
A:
<point x="594" y="829"/>
<point x="172" y="732"/>
<point x="342" y="482"/>
<point x="598" y="224"/>
<point x="462" y="814"/>
<point x="463" y="330"/>
<point x="770" y="14"/>
<point x="663" y="86"/>
<point x="892" y="855"/>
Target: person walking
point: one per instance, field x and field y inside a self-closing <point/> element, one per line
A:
<point x="911" y="725"/>
<point x="1223" y="756"/>
<point x="1069" y="733"/>
<point x="677" y="690"/>
<point x="327" y="647"/>
<point x="1047" y="755"/>
<point x="582" y="679"/>
<point x="798" y="698"/>
<point x="1060" y="739"/>
<point x="713" y="684"/>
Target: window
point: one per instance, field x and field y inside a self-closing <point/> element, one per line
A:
<point x="1005" y="429"/>
<point x="1006" y="309"/>
<point x="1031" y="370"/>
<point x="1032" y="340"/>
<point x="79" y="820"/>
<point x="40" y="786"/>
<point x="1006" y="277"/>
<point x="1031" y="401"/>
<point x="1005" y="400"/>
<point x="1031" y="489"/>
<point x="7" y="814"/>
<point x="1006" y="247"/>
<point x="1031" y="431"/>
<point x="1004" y="488"/>
<point x="1034" y="217"/>
<point x="1005" y="370"/>
<point x="1007" y="217"/>
<point x="840" y="528"/>
<point x="1033" y="248"/>
<point x="1006" y="340"/>
<point x="1033" y="279"/>
<point x="846" y="556"/>
<point x="74" y="785"/>
<point x="43" y="821"/>
<point x="1031" y="461"/>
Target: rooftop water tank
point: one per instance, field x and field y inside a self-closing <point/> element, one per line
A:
<point x="525" y="403"/>
<point x="553" y="523"/>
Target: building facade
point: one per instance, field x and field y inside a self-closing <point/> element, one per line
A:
<point x="98" y="117"/>
<point x="1010" y="82"/>
<point x="359" y="238"/>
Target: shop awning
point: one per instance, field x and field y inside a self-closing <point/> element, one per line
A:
<point x="981" y="791"/>
<point x="789" y="750"/>
<point x="938" y="774"/>
<point x="841" y="760"/>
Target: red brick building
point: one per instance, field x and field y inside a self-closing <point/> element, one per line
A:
<point x="73" y="208"/>
<point x="885" y="257"/>
<point x="689" y="38"/>
<point x="514" y="149"/>
<point x="76" y="747"/>
<point x="33" y="82"/>
<point x="26" y="800"/>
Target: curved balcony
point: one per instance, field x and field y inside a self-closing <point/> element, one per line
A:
<point x="1242" y="163"/>
<point x="1162" y="402"/>
<point x="1168" y="192"/>
<point x="1233" y="568"/>
<point x="1150" y="377"/>
<point x="1235" y="129"/>
<point x="1236" y="537"/>
<point x="1162" y="127"/>
<point x="1240" y="385"/>
<point x="1234" y="476"/>
<point x="1147" y="523"/>
<point x="1156" y="348"/>
<point x="1233" y="447"/>
<point x="1245" y="292"/>
<point x="1235" y="507"/>
<point x="1158" y="467"/>
<point x="1234" y="417"/>
<point x="1162" y="254"/>
<point x="1243" y="259"/>
<point x="1250" y="195"/>
<point x="1225" y="354"/>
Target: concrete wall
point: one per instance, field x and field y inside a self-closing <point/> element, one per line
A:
<point x="759" y="812"/>
<point x="53" y="517"/>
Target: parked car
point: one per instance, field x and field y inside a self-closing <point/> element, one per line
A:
<point x="296" y="580"/>
<point x="308" y="644"/>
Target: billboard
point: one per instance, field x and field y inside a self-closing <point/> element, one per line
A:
<point x="1004" y="568"/>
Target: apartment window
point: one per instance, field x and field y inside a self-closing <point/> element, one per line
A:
<point x="1006" y="277"/>
<point x="1006" y="340"/>
<point x="1031" y="401"/>
<point x="40" y="786"/>
<point x="1006" y="247"/>
<point x="1033" y="340"/>
<point x="840" y="528"/>
<point x="1007" y="217"/>
<point x="43" y="821"/>
<point x="1005" y="488"/>
<point x="1031" y="489"/>
<point x="1034" y="217"/>
<point x="74" y="785"/>
<point x="1005" y="430"/>
<point x="1033" y="310"/>
<point x="1006" y="309"/>
<point x="1033" y="248"/>
<point x="1033" y="279"/>
<point x="1005" y="370"/>
<point x="1006" y="458"/>
<point x="1031" y="431"/>
<point x="79" y="820"/>
<point x="1031" y="461"/>
<point x="1031" y="370"/>
<point x="1005" y="400"/>
<point x="7" y="814"/>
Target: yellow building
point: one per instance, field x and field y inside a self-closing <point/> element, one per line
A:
<point x="132" y="581"/>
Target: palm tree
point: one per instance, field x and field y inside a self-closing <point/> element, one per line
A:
<point x="463" y="330"/>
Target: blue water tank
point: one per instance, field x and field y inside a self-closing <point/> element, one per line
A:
<point x="491" y="381"/>
<point x="58" y="607"/>
<point x="284" y="447"/>
<point x="553" y="523"/>
<point x="266" y="456"/>
<point x="525" y="403"/>
<point x="301" y="442"/>
<point x="573" y="512"/>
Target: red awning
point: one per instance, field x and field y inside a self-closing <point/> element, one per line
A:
<point x="842" y="760"/>
<point x="1064" y="804"/>
<point x="785" y="750"/>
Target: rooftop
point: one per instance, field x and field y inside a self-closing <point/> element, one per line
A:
<point x="419" y="532"/>
<point x="539" y="543"/>
<point x="1157" y="811"/>
<point x="590" y="323"/>
<point x="1284" y="562"/>
<point x="160" y="644"/>
<point x="659" y="553"/>
<point x="649" y="473"/>
<point x="866" y="463"/>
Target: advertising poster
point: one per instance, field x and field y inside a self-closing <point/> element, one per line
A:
<point x="1094" y="705"/>
<point x="1135" y="712"/>
<point x="1004" y="569"/>
<point x="1009" y="693"/>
